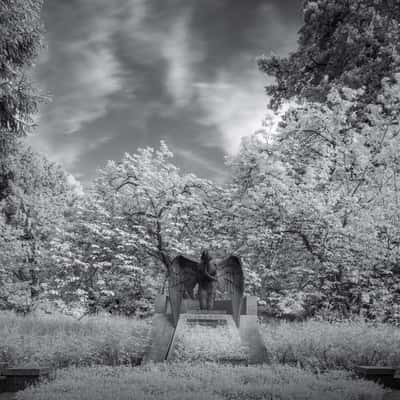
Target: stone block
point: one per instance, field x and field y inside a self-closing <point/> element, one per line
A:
<point x="251" y="337"/>
<point x="19" y="378"/>
<point x="386" y="376"/>
<point x="211" y="320"/>
<point x="161" y="336"/>
<point x="160" y="305"/>
<point x="250" y="305"/>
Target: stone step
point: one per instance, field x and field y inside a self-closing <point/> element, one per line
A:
<point x="189" y="324"/>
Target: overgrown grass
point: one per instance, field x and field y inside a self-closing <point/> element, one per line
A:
<point x="206" y="381"/>
<point x="60" y="341"/>
<point x="341" y="345"/>
<point x="208" y="343"/>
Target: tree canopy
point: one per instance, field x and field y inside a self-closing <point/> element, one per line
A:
<point x="344" y="43"/>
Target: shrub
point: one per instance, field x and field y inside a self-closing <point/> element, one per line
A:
<point x="337" y="345"/>
<point x="201" y="381"/>
<point x="60" y="341"/>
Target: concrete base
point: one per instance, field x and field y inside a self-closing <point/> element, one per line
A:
<point x="210" y="320"/>
<point x="15" y="379"/>
<point x="162" y="333"/>
<point x="251" y="337"/>
<point x="387" y="376"/>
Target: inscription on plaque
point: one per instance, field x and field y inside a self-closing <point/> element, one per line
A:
<point x="206" y="322"/>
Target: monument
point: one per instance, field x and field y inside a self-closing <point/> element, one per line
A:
<point x="220" y="311"/>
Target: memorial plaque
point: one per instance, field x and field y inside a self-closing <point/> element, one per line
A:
<point x="206" y="322"/>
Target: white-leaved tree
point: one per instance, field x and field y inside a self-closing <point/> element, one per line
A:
<point x="30" y="214"/>
<point x="138" y="214"/>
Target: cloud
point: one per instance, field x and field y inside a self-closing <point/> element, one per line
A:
<point x="83" y="72"/>
<point x="182" y="54"/>
<point x="133" y="71"/>
<point x="202" y="162"/>
<point x="235" y="103"/>
<point x="67" y="151"/>
<point x="94" y="79"/>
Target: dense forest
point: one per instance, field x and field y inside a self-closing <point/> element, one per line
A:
<point x="311" y="204"/>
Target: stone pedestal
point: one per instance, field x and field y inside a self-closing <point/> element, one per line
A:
<point x="164" y="335"/>
<point x="199" y="323"/>
<point x="162" y="332"/>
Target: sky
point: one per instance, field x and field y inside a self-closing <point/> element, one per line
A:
<point x="125" y="74"/>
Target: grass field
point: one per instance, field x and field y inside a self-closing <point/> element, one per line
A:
<point x="201" y="381"/>
<point x="323" y="346"/>
<point x="309" y="360"/>
<point x="60" y="341"/>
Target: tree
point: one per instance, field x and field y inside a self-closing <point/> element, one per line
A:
<point x="321" y="209"/>
<point x="138" y="214"/>
<point x="342" y="43"/>
<point x="30" y="215"/>
<point x="20" y="41"/>
<point x="333" y="169"/>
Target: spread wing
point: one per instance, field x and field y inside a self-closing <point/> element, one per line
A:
<point x="231" y="280"/>
<point x="182" y="277"/>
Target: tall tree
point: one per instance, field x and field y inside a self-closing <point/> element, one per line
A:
<point x="331" y="167"/>
<point x="139" y="213"/>
<point x="344" y="43"/>
<point x="30" y="216"/>
<point x="20" y="41"/>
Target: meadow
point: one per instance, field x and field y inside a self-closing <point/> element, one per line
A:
<point x="60" y="341"/>
<point x="202" y="381"/>
<point x="321" y="345"/>
<point x="94" y="359"/>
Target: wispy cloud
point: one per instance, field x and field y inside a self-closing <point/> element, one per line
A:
<point x="94" y="78"/>
<point x="133" y="71"/>
<point x="90" y="73"/>
<point x="235" y="103"/>
<point x="67" y="152"/>
<point x="182" y="54"/>
<point x="193" y="158"/>
<point x="83" y="74"/>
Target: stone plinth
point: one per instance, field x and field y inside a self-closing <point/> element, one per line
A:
<point x="164" y="335"/>
<point x="162" y="332"/>
<point x="206" y="336"/>
<point x="387" y="376"/>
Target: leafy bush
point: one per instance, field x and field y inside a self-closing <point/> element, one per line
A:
<point x="338" y="345"/>
<point x="60" y="341"/>
<point x="201" y="381"/>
